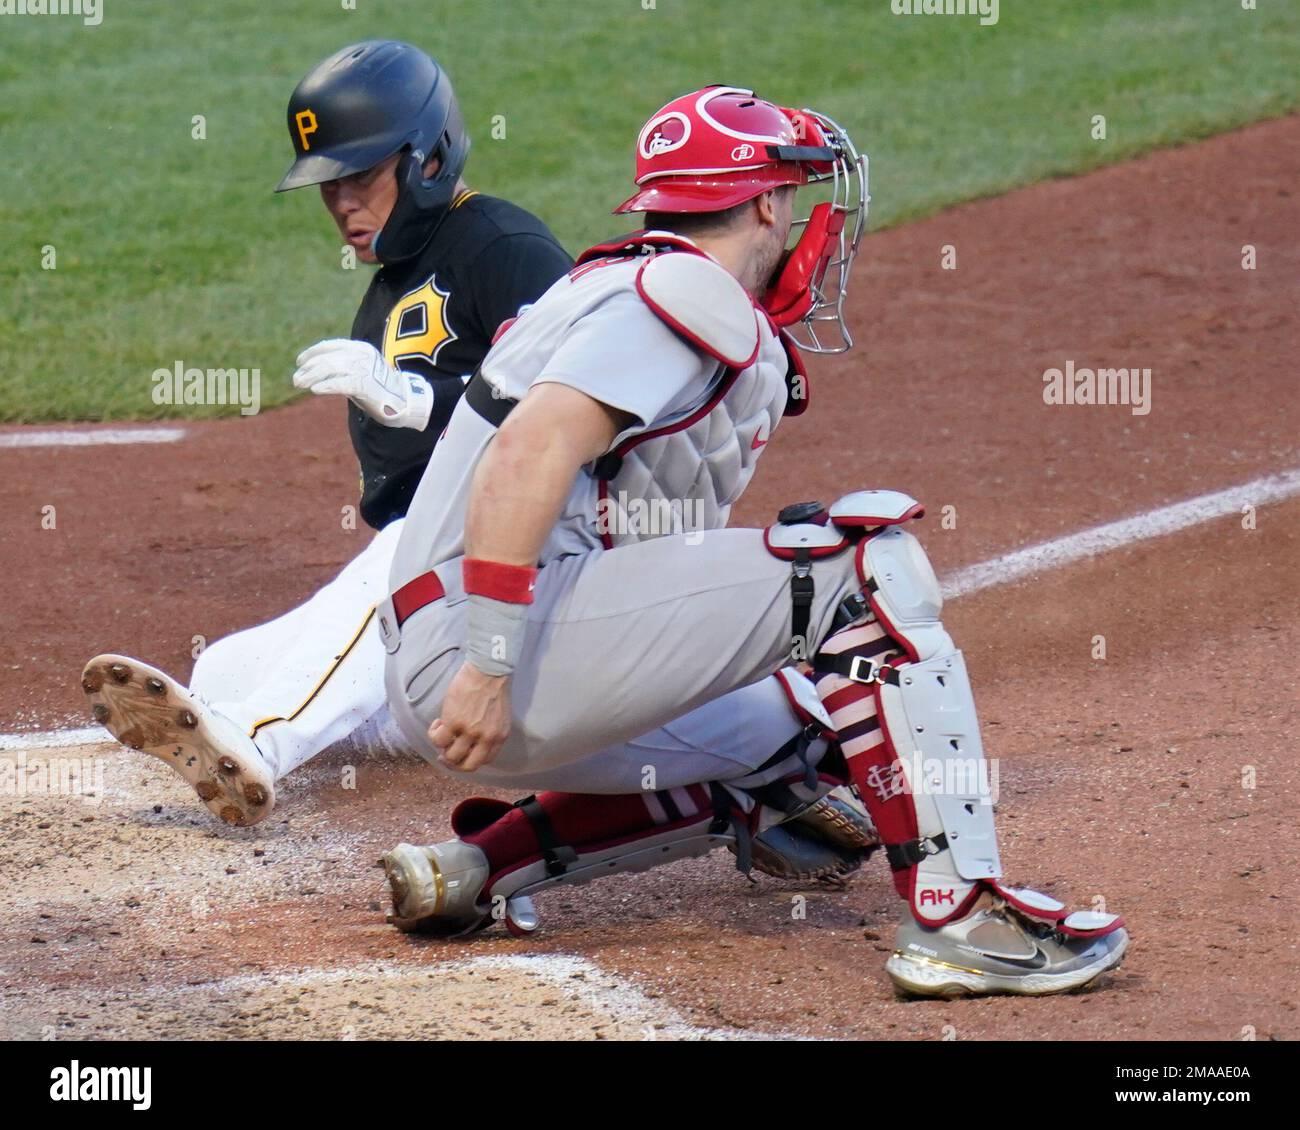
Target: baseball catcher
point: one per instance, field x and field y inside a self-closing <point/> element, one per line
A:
<point x="541" y="635"/>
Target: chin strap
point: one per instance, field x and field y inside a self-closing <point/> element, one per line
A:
<point x="421" y="204"/>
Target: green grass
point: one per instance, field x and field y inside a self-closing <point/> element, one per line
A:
<point x="174" y="249"/>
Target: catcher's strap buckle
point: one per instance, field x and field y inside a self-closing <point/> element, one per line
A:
<point x="858" y="668"/>
<point x="905" y="855"/>
<point x="870" y="669"/>
<point x="849" y="611"/>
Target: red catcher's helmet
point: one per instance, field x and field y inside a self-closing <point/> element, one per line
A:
<point x="718" y="147"/>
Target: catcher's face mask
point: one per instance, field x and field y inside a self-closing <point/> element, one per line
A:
<point x="807" y="292"/>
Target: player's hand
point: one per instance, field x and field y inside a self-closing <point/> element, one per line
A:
<point x="355" y="369"/>
<point x="475" y="719"/>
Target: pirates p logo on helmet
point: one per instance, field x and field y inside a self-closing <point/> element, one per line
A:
<point x="364" y="104"/>
<point x="305" y="120"/>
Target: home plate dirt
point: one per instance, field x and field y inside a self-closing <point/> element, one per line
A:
<point x="97" y="874"/>
<point x="537" y="998"/>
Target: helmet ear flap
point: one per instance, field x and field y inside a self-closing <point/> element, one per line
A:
<point x="452" y="145"/>
<point x="790" y="295"/>
<point x="420" y="200"/>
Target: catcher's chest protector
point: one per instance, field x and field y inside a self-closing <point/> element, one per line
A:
<point x="682" y="475"/>
<point x="682" y="472"/>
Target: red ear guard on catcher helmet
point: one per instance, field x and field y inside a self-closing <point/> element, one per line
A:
<point x="789" y="296"/>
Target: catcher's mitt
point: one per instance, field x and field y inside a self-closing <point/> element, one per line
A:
<point x="829" y="839"/>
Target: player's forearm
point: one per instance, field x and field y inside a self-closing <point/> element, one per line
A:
<point x="516" y="497"/>
<point x="517" y="494"/>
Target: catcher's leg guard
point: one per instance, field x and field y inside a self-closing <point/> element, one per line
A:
<point x="898" y="694"/>
<point x="899" y="699"/>
<point x="507" y="852"/>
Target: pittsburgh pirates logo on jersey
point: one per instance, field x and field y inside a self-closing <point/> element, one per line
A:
<point x="417" y="328"/>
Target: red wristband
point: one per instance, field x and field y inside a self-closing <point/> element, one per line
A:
<point x="511" y="583"/>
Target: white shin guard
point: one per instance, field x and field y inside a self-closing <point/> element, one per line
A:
<point x="900" y="701"/>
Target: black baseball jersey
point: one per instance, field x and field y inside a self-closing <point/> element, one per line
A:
<point x="435" y="315"/>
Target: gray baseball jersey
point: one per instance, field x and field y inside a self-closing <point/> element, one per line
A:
<point x="699" y="428"/>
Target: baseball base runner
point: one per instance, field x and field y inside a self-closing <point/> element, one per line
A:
<point x="377" y="127"/>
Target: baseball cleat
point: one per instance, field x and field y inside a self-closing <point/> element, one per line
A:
<point x="436" y="889"/>
<point x="439" y="890"/>
<point x="995" y="949"/>
<point x="146" y="709"/>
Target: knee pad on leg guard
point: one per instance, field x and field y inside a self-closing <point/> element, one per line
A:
<point x="807" y="531"/>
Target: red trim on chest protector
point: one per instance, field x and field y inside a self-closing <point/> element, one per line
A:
<point x="626" y="246"/>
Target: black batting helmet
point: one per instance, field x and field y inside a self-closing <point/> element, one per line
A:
<point x="365" y="103"/>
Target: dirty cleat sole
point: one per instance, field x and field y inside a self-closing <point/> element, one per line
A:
<point x="146" y="709"/>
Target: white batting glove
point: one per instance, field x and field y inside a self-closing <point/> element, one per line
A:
<point x="355" y="369"/>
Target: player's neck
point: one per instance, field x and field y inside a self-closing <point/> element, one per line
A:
<point x="736" y="254"/>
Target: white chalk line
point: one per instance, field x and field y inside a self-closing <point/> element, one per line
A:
<point x="51" y="739"/>
<point x="90" y="437"/>
<point x="596" y="988"/>
<point x="974" y="578"/>
<point x="1117" y="535"/>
